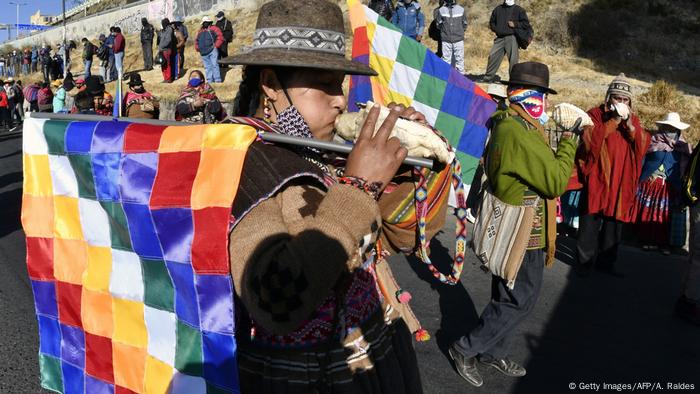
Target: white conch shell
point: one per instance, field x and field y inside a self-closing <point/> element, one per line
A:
<point x="419" y="140"/>
<point x="565" y="116"/>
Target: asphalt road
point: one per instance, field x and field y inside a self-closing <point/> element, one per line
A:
<point x="591" y="330"/>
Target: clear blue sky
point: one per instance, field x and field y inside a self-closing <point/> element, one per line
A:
<point x="8" y="12"/>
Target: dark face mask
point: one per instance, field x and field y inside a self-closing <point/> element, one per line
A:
<point x="139" y="89"/>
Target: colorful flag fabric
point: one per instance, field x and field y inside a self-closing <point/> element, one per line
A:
<point x="127" y="233"/>
<point x="410" y="74"/>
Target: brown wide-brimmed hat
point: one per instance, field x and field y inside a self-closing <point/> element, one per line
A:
<point x="530" y="74"/>
<point x="293" y="33"/>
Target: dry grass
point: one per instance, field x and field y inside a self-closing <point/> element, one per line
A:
<point x="579" y="80"/>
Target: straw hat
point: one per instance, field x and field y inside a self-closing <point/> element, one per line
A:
<point x="57" y="83"/>
<point x="497" y="90"/>
<point x="674" y="120"/>
<point x="292" y="33"/>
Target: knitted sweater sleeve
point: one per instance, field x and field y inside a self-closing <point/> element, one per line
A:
<point x="289" y="253"/>
<point x="544" y="171"/>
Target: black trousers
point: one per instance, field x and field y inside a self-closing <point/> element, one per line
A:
<point x="147" y="47"/>
<point x="507" y="309"/>
<point x="598" y="239"/>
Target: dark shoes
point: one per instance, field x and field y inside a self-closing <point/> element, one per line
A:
<point x="688" y="310"/>
<point x="490" y="79"/>
<point x="504" y="366"/>
<point x="466" y="367"/>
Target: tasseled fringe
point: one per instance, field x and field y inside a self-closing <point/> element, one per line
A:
<point x="403" y="296"/>
<point x="422" y="335"/>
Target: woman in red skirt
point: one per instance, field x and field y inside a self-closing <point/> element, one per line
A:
<point x="660" y="210"/>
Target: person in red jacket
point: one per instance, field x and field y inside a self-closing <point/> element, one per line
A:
<point x="209" y="39"/>
<point x="4" y="109"/>
<point x="118" y="49"/>
<point x="613" y="150"/>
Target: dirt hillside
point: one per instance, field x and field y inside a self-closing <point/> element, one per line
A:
<point x="585" y="43"/>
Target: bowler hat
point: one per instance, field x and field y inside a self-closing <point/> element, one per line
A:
<point x="530" y="74"/>
<point x="135" y="80"/>
<point x="292" y="33"/>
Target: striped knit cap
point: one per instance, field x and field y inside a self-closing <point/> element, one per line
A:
<point x="619" y="86"/>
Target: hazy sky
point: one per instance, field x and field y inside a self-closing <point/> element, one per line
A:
<point x="9" y="11"/>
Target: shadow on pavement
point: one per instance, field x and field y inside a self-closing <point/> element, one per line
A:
<point x="10" y="206"/>
<point x="17" y="152"/>
<point x="7" y="137"/>
<point x="458" y="314"/>
<point x="614" y="330"/>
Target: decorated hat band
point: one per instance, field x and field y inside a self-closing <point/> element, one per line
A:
<point x="300" y="38"/>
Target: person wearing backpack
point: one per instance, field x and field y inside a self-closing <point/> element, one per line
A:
<point x="166" y="50"/>
<point x="505" y="19"/>
<point x="147" y="34"/>
<point x="102" y="53"/>
<point x="209" y="40"/>
<point x="226" y="28"/>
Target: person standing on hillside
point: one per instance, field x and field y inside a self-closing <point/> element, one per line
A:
<point x="45" y="57"/>
<point x="89" y="50"/>
<point x="119" y="50"/>
<point x="523" y="170"/>
<point x="181" y="37"/>
<point x="166" y="50"/>
<point x="26" y="61"/>
<point x="613" y="150"/>
<point x="111" y="67"/>
<point x="147" y="34"/>
<point x="505" y="18"/>
<point x="409" y="18"/>
<point x="209" y="40"/>
<point x="451" y="19"/>
<point x="226" y="28"/>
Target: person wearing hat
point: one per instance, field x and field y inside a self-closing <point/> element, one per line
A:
<point x="521" y="168"/>
<point x="209" y="40"/>
<point x="11" y="99"/>
<point x="139" y="103"/>
<point x="147" y="35"/>
<point x="59" y="97"/>
<point x="613" y="150"/>
<point x="166" y="50"/>
<point x="226" y="28"/>
<point x="659" y="199"/>
<point x="301" y="251"/>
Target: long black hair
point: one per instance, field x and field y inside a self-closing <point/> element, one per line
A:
<point x="248" y="97"/>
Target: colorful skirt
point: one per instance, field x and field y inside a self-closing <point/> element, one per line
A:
<point x="652" y="211"/>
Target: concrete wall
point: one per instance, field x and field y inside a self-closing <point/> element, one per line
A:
<point x="129" y="19"/>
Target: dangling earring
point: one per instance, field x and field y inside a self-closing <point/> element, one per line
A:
<point x="266" y="109"/>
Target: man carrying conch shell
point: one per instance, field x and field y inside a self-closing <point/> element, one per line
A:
<point x="524" y="177"/>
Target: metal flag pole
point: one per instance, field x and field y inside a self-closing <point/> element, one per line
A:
<point x="65" y="50"/>
<point x="268" y="137"/>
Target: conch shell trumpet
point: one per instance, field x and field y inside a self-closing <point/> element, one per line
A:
<point x="418" y="139"/>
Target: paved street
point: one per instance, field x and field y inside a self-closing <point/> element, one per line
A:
<point x="598" y="329"/>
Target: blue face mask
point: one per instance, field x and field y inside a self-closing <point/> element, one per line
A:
<point x="194" y="82"/>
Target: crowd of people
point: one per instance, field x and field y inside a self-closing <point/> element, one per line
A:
<point x="305" y="276"/>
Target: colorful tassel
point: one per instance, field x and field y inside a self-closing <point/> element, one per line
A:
<point x="422" y="335"/>
<point x="403" y="296"/>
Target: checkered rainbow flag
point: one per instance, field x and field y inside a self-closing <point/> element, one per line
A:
<point x="127" y="233"/>
<point x="410" y="74"/>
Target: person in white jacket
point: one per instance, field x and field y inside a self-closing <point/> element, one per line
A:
<point x="451" y="20"/>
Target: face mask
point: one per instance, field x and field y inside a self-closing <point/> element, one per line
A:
<point x="194" y="82"/>
<point x="672" y="135"/>
<point x="510" y="3"/>
<point x="532" y="101"/>
<point x="292" y="122"/>
<point x="140" y="90"/>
